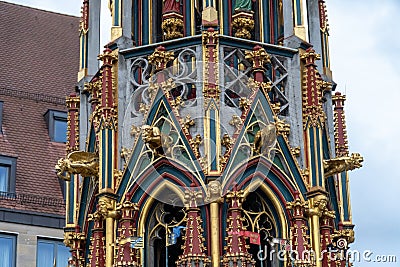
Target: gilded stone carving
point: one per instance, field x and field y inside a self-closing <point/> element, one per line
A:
<point x="160" y="58"/>
<point x="338" y="165"/>
<point x="243" y="24"/>
<point x="296" y="151"/>
<point x="259" y="57"/>
<point x="172" y="27"/>
<point x="187" y="122"/>
<point x="195" y="143"/>
<point x="177" y="103"/>
<point x="227" y="141"/>
<point x="158" y="143"/>
<point x="214" y="191"/>
<point x="135" y="130"/>
<point x="236" y="121"/>
<point x="143" y="108"/>
<point x="107" y="208"/>
<point x="244" y="103"/>
<point x="265" y="140"/>
<point x="281" y="126"/>
<point x="78" y="162"/>
<point x="346" y="234"/>
<point x="318" y="206"/>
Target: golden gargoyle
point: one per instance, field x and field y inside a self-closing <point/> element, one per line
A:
<point x="341" y="164"/>
<point x="78" y="162"/>
<point x="265" y="140"/>
<point x="159" y="143"/>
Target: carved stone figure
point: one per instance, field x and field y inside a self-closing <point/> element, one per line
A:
<point x="318" y="206"/>
<point x="106" y="208"/>
<point x="158" y="143"/>
<point x="244" y="5"/>
<point x="264" y="140"/>
<point x="214" y="191"/>
<point x="338" y="165"/>
<point x="172" y="6"/>
<point x="78" y="162"/>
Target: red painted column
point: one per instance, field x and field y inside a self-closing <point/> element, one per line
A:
<point x="97" y="248"/>
<point x="259" y="57"/>
<point x="76" y="241"/>
<point x="326" y="226"/>
<point x="300" y="238"/>
<point x="125" y="254"/>
<point x="236" y="254"/>
<point x="193" y="248"/>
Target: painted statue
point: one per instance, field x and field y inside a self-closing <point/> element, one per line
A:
<point x="172" y="6"/>
<point x="244" y="5"/>
<point x="157" y="142"/>
<point x="265" y="140"/>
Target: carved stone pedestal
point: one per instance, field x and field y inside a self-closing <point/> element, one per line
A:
<point x="243" y="24"/>
<point x="172" y="25"/>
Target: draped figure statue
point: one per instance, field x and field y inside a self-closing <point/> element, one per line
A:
<point x="243" y="5"/>
<point x="172" y="6"/>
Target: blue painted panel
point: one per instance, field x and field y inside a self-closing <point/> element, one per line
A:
<point x="298" y="15"/>
<point x="82" y="51"/>
<point x="265" y="14"/>
<point x="346" y="213"/>
<point x="145" y="25"/>
<point x="135" y="22"/>
<point x="312" y="157"/>
<point x="71" y="203"/>
<point x="109" y="157"/>
<point x="103" y="166"/>
<point x="116" y="13"/>
<point x="213" y="137"/>
<point x="333" y="197"/>
<point x="83" y="197"/>
<point x="188" y="17"/>
<point x="226" y="17"/>
<point x="319" y="158"/>
<point x="92" y="139"/>
<point x="292" y="165"/>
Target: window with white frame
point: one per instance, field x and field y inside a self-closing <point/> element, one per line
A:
<point x="51" y="253"/>
<point x="7" y="250"/>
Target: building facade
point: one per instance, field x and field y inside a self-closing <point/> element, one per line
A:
<point x="37" y="71"/>
<point x="211" y="135"/>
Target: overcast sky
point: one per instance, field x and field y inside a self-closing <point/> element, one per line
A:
<point x="365" y="50"/>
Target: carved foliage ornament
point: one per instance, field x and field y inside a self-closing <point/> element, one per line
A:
<point x="243" y="24"/>
<point x="172" y="28"/>
<point x="160" y="58"/>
